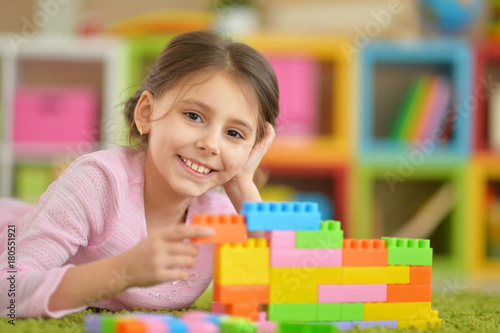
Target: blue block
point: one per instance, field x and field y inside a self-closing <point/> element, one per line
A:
<point x="92" y="323"/>
<point x="373" y="323"/>
<point x="174" y="324"/>
<point x="343" y="325"/>
<point x="281" y="216"/>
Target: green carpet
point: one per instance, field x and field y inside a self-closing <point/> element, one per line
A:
<point x="460" y="312"/>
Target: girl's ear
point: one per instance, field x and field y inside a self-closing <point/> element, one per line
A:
<point x="144" y="112"/>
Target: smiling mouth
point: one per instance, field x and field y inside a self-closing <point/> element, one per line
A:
<point x="195" y="167"/>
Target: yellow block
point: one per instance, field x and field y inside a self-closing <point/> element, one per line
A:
<point x="291" y="294"/>
<point x="241" y="275"/>
<point x="297" y="276"/>
<point x="376" y="275"/>
<point x="254" y="252"/>
<point x="399" y="311"/>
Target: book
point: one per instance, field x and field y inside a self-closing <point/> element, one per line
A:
<point x="439" y="112"/>
<point x="494" y="120"/>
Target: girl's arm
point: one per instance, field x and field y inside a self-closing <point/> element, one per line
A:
<point x="162" y="257"/>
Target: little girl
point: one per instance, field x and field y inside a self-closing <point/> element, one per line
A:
<point x="111" y="231"/>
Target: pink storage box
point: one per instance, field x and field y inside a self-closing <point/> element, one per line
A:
<point x="55" y="115"/>
<point x="298" y="84"/>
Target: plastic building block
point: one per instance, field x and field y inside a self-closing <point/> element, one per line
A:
<point x="374" y="323"/>
<point x="241" y="294"/>
<point x="242" y="264"/>
<point x="306" y="257"/>
<point x="280" y="238"/>
<point x="329" y="236"/>
<point x="131" y="326"/>
<point x="296" y="276"/>
<point x="244" y="310"/>
<point x="228" y="228"/>
<point x="292" y="312"/>
<point x="264" y="325"/>
<point x="218" y="307"/>
<point x="409" y="293"/>
<point x="420" y="324"/>
<point x="352" y="311"/>
<point x="304" y="293"/>
<point x="364" y="252"/>
<point x="398" y="311"/>
<point x="342" y="325"/>
<point x="350" y="293"/>
<point x="254" y="252"/>
<point x="242" y="275"/>
<point x="306" y="328"/>
<point x="376" y="275"/>
<point x="281" y="215"/>
<point x="237" y="325"/>
<point x="328" y="312"/>
<point x="405" y="251"/>
<point x="420" y="274"/>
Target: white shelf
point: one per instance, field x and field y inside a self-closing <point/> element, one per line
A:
<point x="108" y="52"/>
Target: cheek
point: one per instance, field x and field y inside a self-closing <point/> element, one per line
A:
<point x="237" y="159"/>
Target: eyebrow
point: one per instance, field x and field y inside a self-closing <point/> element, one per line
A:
<point x="206" y="107"/>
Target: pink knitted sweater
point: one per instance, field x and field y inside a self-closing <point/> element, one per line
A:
<point x="94" y="210"/>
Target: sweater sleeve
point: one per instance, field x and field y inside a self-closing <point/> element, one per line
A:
<point x="69" y="215"/>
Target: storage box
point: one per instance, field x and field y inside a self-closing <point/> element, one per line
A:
<point x="55" y="115"/>
<point x="298" y="84"/>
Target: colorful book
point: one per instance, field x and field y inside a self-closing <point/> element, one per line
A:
<point x="430" y="101"/>
<point x="410" y="108"/>
<point x="438" y="112"/>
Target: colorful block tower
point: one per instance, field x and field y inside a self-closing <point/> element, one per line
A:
<point x="303" y="270"/>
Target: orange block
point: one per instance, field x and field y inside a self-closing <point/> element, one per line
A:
<point x="130" y="326"/>
<point x="408" y="293"/>
<point x="244" y="310"/>
<point x="420" y="274"/>
<point x="241" y="294"/>
<point x="364" y="252"/>
<point x="228" y="228"/>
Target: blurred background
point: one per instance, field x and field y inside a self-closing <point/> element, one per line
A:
<point x="390" y="109"/>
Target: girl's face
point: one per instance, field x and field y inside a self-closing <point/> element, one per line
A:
<point x="204" y="134"/>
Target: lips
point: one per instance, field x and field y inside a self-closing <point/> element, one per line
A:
<point x="205" y="170"/>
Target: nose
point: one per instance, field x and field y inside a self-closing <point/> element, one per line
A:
<point x="209" y="143"/>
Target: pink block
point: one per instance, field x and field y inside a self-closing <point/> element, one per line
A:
<point x="195" y="315"/>
<point x="342" y="293"/>
<point x="218" y="307"/>
<point x="264" y="326"/>
<point x="201" y="326"/>
<point x="280" y="238"/>
<point x="298" y="83"/>
<point x="282" y="257"/>
<point x="55" y="115"/>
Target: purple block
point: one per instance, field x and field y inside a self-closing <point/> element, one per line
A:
<point x="92" y="323"/>
<point x="350" y="293"/>
<point x="306" y="257"/>
<point x="373" y="323"/>
<point x="342" y="325"/>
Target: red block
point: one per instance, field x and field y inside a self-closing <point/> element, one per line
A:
<point x="420" y="274"/>
<point x="364" y="252"/>
<point x="409" y="293"/>
<point x="228" y="228"/>
<point x="241" y="294"/>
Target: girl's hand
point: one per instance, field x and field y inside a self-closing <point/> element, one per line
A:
<point x="163" y="256"/>
<point x="256" y="155"/>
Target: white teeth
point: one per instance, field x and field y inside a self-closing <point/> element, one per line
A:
<point x="196" y="167"/>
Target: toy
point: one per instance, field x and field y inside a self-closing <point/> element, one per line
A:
<point x="317" y="276"/>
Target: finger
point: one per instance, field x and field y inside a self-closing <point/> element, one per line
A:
<point x="180" y="232"/>
<point x="182" y="248"/>
<point x="180" y="261"/>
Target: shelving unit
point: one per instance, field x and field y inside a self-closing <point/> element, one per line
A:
<point x="387" y="68"/>
<point x="384" y="208"/>
<point x="61" y="61"/>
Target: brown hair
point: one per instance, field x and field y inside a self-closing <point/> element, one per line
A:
<point x="199" y="51"/>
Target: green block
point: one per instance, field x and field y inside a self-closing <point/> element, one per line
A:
<point x="306" y="328"/>
<point x="329" y="312"/>
<point x="293" y="312"/>
<point x="330" y="236"/>
<point x="407" y="251"/>
<point x="108" y="324"/>
<point x="237" y="326"/>
<point x="351" y="311"/>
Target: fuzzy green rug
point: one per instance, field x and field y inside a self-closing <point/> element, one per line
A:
<point x="460" y="312"/>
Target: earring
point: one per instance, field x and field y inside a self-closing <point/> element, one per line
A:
<point x="141" y="129"/>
